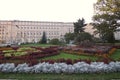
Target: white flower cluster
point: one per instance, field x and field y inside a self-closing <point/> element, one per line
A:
<point x="80" y="67"/>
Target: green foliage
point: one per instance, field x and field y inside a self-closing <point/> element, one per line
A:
<point x="44" y="39"/>
<point x="79" y="26"/>
<point x="83" y="36"/>
<point x="55" y="41"/>
<point x="116" y="55"/>
<point x="70" y="56"/>
<point x="106" y="19"/>
<point x="69" y="36"/>
<point x="36" y="45"/>
<point x="79" y="30"/>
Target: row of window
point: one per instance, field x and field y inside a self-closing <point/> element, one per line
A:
<point x="30" y="37"/>
<point x="37" y="33"/>
<point x="2" y="27"/>
<point x="38" y="27"/>
<point x="5" y="22"/>
<point x="36" y="23"/>
<point x="38" y="37"/>
<point x="3" y="37"/>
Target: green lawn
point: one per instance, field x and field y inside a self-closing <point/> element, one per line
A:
<point x="93" y="76"/>
<point x="116" y="55"/>
<point x="70" y="56"/>
<point x="36" y="44"/>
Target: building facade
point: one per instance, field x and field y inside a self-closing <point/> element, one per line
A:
<point x="117" y="34"/>
<point x="16" y="31"/>
<point x="89" y="28"/>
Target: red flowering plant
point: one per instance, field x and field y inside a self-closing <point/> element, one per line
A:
<point x="15" y="48"/>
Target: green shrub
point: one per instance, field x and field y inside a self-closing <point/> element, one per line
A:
<point x="55" y="41"/>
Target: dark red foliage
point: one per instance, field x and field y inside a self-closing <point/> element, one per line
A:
<point x="32" y="62"/>
<point x="1" y="57"/>
<point x="116" y="46"/>
<point x="51" y="61"/>
<point x="77" y="60"/>
<point x="88" y="61"/>
<point x="61" y="60"/>
<point x="105" y="60"/>
<point x="15" y="48"/>
<point x="1" y="52"/>
<point x="68" y="61"/>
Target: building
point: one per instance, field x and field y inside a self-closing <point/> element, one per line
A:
<point x="15" y="31"/>
<point x="89" y="28"/>
<point x="117" y="34"/>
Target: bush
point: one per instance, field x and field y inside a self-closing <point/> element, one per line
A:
<point x="55" y="41"/>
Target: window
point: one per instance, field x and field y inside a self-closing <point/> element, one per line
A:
<point x="28" y="33"/>
<point x="40" y="33"/>
<point x="37" y="33"/>
<point x="34" y="33"/>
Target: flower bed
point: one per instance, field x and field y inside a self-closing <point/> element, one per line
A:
<point x="33" y="52"/>
<point x="5" y="48"/>
<point x="26" y="55"/>
<point x="117" y="46"/>
<point x="95" y="50"/>
<point x="80" y="67"/>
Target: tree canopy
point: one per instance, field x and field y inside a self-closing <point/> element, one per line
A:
<point x="54" y="41"/>
<point x="79" y="34"/>
<point x="69" y="36"/>
<point x="83" y="36"/>
<point x="44" y="38"/>
<point x="79" y="26"/>
<point x="106" y="18"/>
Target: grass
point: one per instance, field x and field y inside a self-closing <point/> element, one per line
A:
<point x="116" y="55"/>
<point x="70" y="56"/>
<point x="41" y="76"/>
<point x="36" y="44"/>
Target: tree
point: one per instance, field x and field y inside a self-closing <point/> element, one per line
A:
<point x="106" y="19"/>
<point x="69" y="36"/>
<point x="84" y="39"/>
<point x="83" y="36"/>
<point x="79" y="26"/>
<point x="54" y="41"/>
<point x="44" y="38"/>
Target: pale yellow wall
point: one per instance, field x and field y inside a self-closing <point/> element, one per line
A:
<point x="89" y="28"/>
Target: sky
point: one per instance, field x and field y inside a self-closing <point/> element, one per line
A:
<point x="47" y="10"/>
